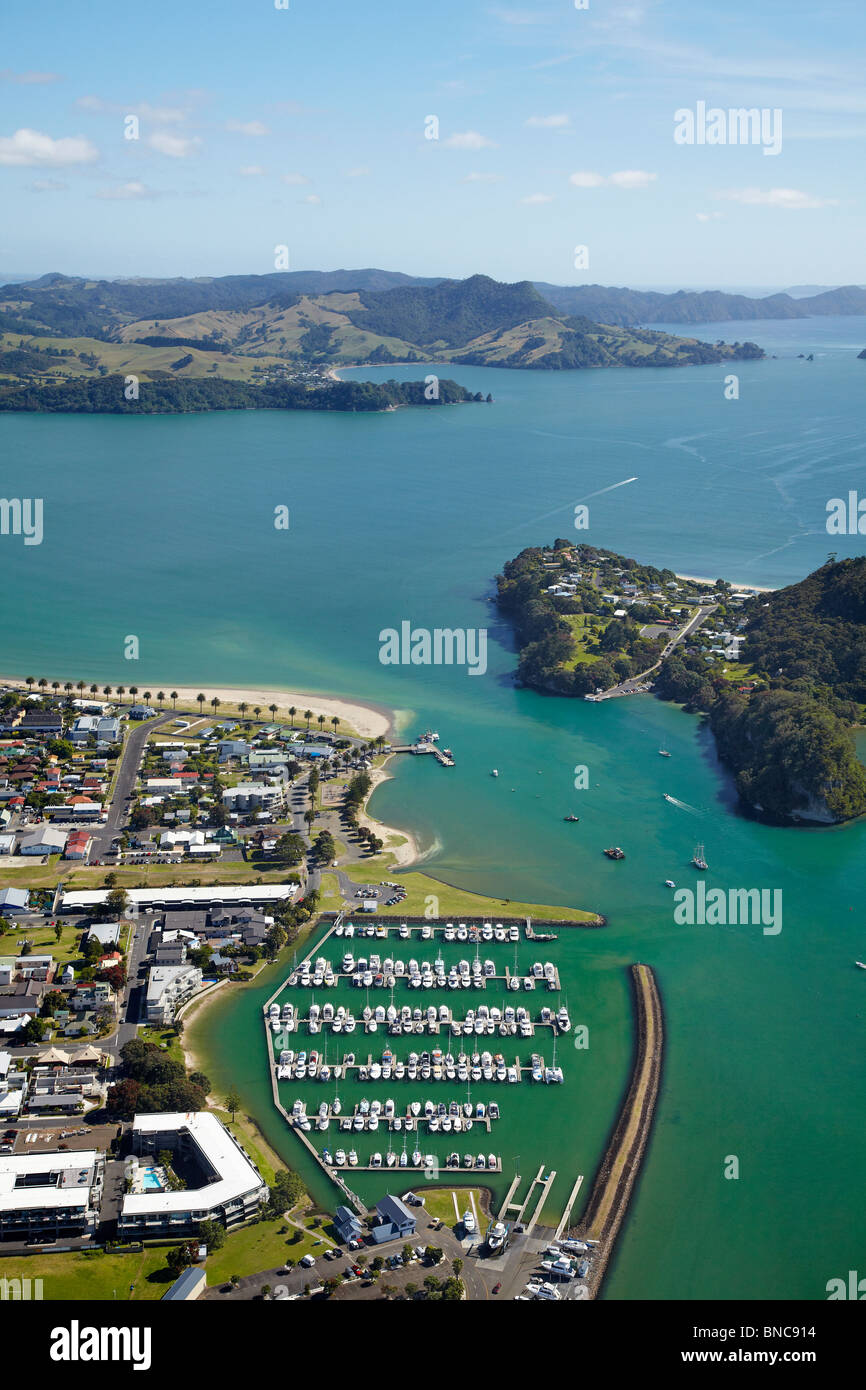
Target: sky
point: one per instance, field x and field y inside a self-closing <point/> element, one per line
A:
<point x="437" y="139"/>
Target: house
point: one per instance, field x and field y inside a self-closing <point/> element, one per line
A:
<point x="7" y="844"/>
<point x="233" y="748"/>
<point x="97" y="995"/>
<point x="223" y="965"/>
<point x="222" y="1182"/>
<point x="141" y="712"/>
<point x="78" y="845"/>
<point x="103" y="728"/>
<point x="168" y="986"/>
<point x="348" y="1224"/>
<point x="395" y="1220"/>
<point x="23" y="997"/>
<point x="14" y="900"/>
<point x="44" y="841"/>
<point x="170" y="953"/>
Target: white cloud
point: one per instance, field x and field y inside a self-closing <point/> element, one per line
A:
<point x="632" y="178"/>
<point x="534" y="198"/>
<point x="47" y="186"/>
<point x="469" y="140"/>
<point x="251" y="171"/>
<point x="31" y="147"/>
<point x="247" y="128"/>
<point x="175" y="146"/>
<point x="312" y="198"/>
<point x="708" y="216"/>
<point x="792" y="199"/>
<point x="623" y="178"/>
<point x="482" y="178"/>
<point x="28" y="79"/>
<point x="361" y="172"/>
<point x="548" y="122"/>
<point x="294" y="179"/>
<point x="126" y="191"/>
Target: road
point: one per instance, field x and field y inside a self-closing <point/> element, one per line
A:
<point x="634" y="684"/>
<point x="118" y="807"/>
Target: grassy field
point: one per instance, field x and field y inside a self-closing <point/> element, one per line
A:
<point x="457" y="902"/>
<point x="96" y="1277"/>
<point x="267" y="1245"/>
<point x="165" y="1038"/>
<point x="44" y="943"/>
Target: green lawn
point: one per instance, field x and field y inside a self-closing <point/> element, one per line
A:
<point x="439" y="1204"/>
<point x="456" y="902"/>
<point x="98" y="1277"/>
<point x="163" y="1036"/>
<point x="267" y="1245"/>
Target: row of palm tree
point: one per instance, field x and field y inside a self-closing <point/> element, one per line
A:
<point x="147" y="696"/>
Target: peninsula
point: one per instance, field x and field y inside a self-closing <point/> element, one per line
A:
<point x="779" y="679"/>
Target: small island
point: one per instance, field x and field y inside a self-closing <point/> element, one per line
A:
<point x="779" y="678"/>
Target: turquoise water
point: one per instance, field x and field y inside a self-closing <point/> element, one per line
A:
<point x="163" y="528"/>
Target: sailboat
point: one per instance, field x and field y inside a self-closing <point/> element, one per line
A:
<point x="698" y="858"/>
<point x="663" y="753"/>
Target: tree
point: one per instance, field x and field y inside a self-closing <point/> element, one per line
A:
<point x="233" y="1102"/>
<point x="180" y="1258"/>
<point x="257" y="709"/>
<point x="243" y="707"/>
<point x="33" y="1031"/>
<point x="173" y="698"/>
<point x="161" y="698"/>
<point x="58" y="931"/>
<point x="293" y="709"/>
<point x="406" y="1253"/>
<point x="201" y="699"/>
<point x="273" y="710"/>
<point x="336" y="723"/>
<point x="212" y="1234"/>
<point x="199" y="1079"/>
<point x="308" y="714"/>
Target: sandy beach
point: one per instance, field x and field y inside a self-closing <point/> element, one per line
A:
<point x="366" y="720"/>
<point x="404" y="854"/>
<point x="702" y="579"/>
<point x="192" y="1015"/>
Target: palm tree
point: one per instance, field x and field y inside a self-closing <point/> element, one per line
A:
<point x="31" y="681"/>
<point x="121" y="691"/>
<point x="215" y="703"/>
<point x="293" y="709"/>
<point x="55" y="686"/>
<point x="174" y="699"/>
<point x="133" y="691"/>
<point x="79" y="686"/>
<point x="68" y="686"/>
<point x="273" y="710"/>
<point x="336" y="723"/>
<point x="320" y="720"/>
<point x="42" y="683"/>
<point x="94" y="690"/>
<point x="201" y="699"/>
<point x="161" y="698"/>
<point x="257" y="709"/>
<point x="243" y="707"/>
<point x="308" y="714"/>
<point x="106" y="690"/>
<point x="147" y="697"/>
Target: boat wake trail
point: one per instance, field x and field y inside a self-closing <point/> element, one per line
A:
<point x="684" y="806"/>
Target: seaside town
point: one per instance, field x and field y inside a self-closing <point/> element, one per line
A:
<point x="154" y="857"/>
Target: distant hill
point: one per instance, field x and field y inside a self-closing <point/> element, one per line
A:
<point x="625" y="306"/>
<point x="261" y="328"/>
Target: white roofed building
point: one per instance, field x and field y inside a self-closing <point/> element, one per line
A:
<point x="223" y="1183"/>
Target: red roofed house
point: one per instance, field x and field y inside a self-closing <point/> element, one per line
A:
<point x="78" y="844"/>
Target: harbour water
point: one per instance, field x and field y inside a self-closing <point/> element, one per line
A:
<point x="162" y="527"/>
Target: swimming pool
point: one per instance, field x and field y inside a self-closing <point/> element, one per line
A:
<point x="151" y="1181"/>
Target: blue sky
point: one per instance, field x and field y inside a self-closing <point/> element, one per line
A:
<point x="305" y="127"/>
